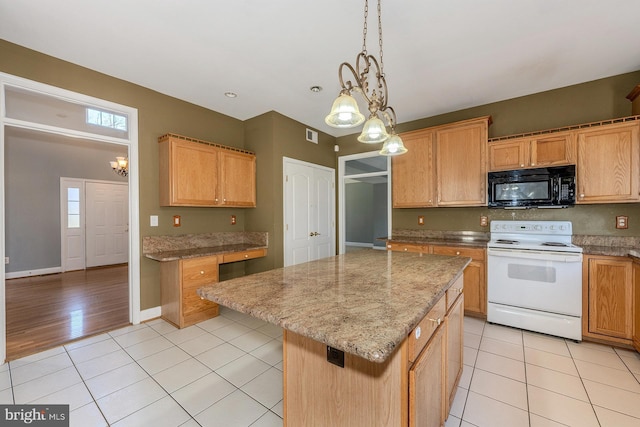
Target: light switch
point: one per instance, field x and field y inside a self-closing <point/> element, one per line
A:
<point x="420" y="219"/>
<point x="153" y="220"/>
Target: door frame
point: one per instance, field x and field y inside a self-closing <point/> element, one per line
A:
<point x="285" y="162"/>
<point x="8" y="80"/>
<point x="342" y="214"/>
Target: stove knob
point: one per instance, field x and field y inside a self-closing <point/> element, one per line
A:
<point x="552" y="227"/>
<point x="562" y="227"/>
<point x="537" y="227"/>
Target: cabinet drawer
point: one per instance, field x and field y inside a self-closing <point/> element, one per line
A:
<point x="241" y="256"/>
<point x="473" y="253"/>
<point x="454" y="291"/>
<point x="194" y="308"/>
<point x="420" y="335"/>
<point x="408" y="247"/>
<point x="199" y="271"/>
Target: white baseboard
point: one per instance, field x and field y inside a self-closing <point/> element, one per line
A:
<point x="380" y="248"/>
<point x="150" y="313"/>
<point x="30" y="273"/>
<point x="362" y="245"/>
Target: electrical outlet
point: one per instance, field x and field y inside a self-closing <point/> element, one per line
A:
<point x="484" y="221"/>
<point x="233" y="220"/>
<point x="176" y="221"/>
<point x="6" y="260"/>
<point x="622" y="221"/>
<point x="420" y="219"/>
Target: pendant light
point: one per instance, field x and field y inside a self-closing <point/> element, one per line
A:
<point x="345" y="113"/>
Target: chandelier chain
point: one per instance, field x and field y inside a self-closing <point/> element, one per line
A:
<point x="380" y="38"/>
<point x="364" y="28"/>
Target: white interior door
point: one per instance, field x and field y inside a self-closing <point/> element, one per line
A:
<point x="72" y="222"/>
<point x="309" y="206"/>
<point x="107" y="228"/>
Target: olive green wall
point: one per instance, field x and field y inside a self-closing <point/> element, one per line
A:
<point x="157" y="115"/>
<point x="588" y="102"/>
<point x="272" y="137"/>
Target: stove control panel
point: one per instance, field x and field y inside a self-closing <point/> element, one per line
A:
<point x="532" y="227"/>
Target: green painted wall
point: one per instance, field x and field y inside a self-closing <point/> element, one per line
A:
<point x="588" y="102"/>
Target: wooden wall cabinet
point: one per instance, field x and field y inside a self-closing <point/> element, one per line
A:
<point x="539" y="151"/>
<point x="475" y="277"/>
<point x="608" y="167"/>
<point x="446" y="166"/>
<point x="461" y="163"/>
<point x="607" y="299"/>
<point x="413" y="177"/>
<point x="196" y="173"/>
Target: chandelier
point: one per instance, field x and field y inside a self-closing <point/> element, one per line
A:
<point x="345" y="113"/>
<point x="120" y="166"/>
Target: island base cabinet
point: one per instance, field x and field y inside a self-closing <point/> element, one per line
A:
<point x="414" y="387"/>
<point x="362" y="394"/>
<point x="426" y="404"/>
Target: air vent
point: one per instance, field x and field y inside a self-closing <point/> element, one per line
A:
<point x="312" y="136"/>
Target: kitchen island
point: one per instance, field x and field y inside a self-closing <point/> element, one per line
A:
<point x="381" y="315"/>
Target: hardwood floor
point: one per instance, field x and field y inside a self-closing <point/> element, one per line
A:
<point x="46" y="311"/>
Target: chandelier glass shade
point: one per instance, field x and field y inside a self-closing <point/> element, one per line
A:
<point x="345" y="113"/>
<point x="120" y="166"/>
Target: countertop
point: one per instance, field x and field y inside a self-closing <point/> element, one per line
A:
<point x="183" y="246"/>
<point x="590" y="244"/>
<point x="364" y="303"/>
<point x="174" y="255"/>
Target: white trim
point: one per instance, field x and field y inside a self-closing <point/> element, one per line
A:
<point x="359" y="244"/>
<point x="341" y="193"/>
<point x="30" y="273"/>
<point x="134" y="199"/>
<point x="150" y="313"/>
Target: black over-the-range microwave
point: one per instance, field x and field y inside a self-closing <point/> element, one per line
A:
<point x="552" y="187"/>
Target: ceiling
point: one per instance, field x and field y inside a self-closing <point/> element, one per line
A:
<point x="439" y="56"/>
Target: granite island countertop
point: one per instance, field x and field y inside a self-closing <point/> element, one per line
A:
<point x="177" y="254"/>
<point x="364" y="303"/>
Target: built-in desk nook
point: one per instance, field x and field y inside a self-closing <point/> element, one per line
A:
<point x="190" y="261"/>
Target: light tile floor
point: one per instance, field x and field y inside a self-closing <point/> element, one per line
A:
<point x="227" y="372"/>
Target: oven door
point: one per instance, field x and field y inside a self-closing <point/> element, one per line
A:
<point x="538" y="280"/>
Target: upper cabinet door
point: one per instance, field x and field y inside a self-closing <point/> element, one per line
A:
<point x="461" y="163"/>
<point x="188" y="174"/>
<point x="509" y="155"/>
<point x="552" y="150"/>
<point x="608" y="164"/>
<point x="237" y="179"/>
<point x="413" y="173"/>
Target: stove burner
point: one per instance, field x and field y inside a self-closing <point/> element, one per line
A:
<point x="554" y="244"/>
<point x="507" y="241"/>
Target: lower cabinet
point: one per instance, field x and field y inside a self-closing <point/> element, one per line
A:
<point x="180" y="280"/>
<point x="414" y="387"/>
<point x="475" y="275"/>
<point x="426" y="380"/>
<point x="607" y="299"/>
<point x="636" y="304"/>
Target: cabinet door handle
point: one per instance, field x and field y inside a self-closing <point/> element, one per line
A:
<point x="246" y="255"/>
<point x="521" y="165"/>
<point x="581" y="195"/>
<point x="436" y="321"/>
<point x="405" y="249"/>
<point x="201" y="271"/>
<point x="457" y="252"/>
<point x="533" y="164"/>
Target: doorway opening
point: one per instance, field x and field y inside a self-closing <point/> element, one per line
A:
<point x="364" y="201"/>
<point x="59" y="128"/>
